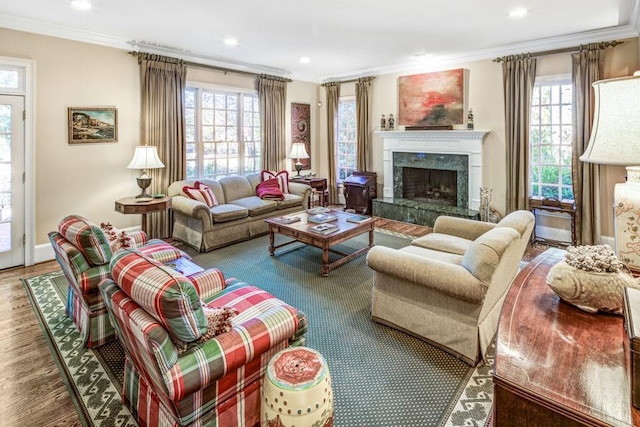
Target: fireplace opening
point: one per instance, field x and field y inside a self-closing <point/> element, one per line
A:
<point x="430" y="185"/>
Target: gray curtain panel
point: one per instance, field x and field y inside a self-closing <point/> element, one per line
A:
<point x="518" y="73"/>
<point x="162" y="83"/>
<point x="272" y="96"/>
<point x="586" y="69"/>
<point x="333" y="97"/>
<point x="363" y="87"/>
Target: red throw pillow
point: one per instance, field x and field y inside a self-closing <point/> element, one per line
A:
<point x="282" y="177"/>
<point x="201" y="193"/>
<point x="269" y="189"/>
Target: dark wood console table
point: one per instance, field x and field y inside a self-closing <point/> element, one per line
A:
<point x="555" y="364"/>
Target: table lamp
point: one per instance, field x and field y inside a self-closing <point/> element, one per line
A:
<point x="145" y="157"/>
<point x="615" y="140"/>
<point x="298" y="152"/>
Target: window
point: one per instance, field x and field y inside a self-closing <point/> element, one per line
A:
<point x="11" y="79"/>
<point x="346" y="160"/>
<point x="222" y="132"/>
<point x="550" y="139"/>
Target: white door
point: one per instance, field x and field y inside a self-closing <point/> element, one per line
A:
<point x="11" y="181"/>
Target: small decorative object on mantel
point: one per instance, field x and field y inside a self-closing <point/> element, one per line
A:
<point x="391" y="122"/>
<point x="592" y="278"/>
<point x="470" y="119"/>
<point x="383" y="123"/>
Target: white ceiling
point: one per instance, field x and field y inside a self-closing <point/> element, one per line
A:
<point x="342" y="38"/>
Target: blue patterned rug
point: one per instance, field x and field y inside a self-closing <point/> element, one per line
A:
<point x="381" y="377"/>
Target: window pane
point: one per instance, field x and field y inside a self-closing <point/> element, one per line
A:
<point x="207" y="117"/>
<point x="207" y="100"/>
<point x="550" y="174"/>
<point x="550" y="192"/>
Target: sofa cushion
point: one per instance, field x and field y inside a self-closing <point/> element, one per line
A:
<point x="165" y="294"/>
<point x="443" y="242"/>
<point x="228" y="212"/>
<point x="118" y="239"/>
<point x="269" y="190"/>
<point x="236" y="187"/>
<point x="290" y="200"/>
<point x="484" y="254"/>
<point x="255" y="205"/>
<point x="201" y="193"/>
<point x="282" y="177"/>
<point x="87" y="237"/>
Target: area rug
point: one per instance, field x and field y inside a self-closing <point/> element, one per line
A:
<point x="381" y="377"/>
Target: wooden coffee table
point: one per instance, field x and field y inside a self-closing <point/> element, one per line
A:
<point x="300" y="232"/>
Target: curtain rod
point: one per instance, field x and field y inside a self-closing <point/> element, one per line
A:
<point x="604" y="45"/>
<point x="348" y="81"/>
<point x="221" y="69"/>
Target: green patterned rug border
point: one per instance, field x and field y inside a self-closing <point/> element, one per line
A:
<point x="94" y="394"/>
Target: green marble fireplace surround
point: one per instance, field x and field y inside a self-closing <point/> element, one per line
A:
<point x="455" y="150"/>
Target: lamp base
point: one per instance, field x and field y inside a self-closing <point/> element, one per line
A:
<point x="626" y="218"/>
<point x="298" y="166"/>
<point x="144" y="183"/>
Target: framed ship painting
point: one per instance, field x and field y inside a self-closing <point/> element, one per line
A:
<point x="88" y="125"/>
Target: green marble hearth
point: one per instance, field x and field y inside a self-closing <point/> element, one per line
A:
<point x="419" y="213"/>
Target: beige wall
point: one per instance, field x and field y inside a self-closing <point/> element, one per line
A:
<point x="86" y="179"/>
<point x="486" y="100"/>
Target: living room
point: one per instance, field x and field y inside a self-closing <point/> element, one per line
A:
<point x="86" y="179"/>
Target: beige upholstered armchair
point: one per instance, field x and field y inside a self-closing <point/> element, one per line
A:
<point x="448" y="287"/>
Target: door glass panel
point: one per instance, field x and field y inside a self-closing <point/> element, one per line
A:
<point x="5" y="177"/>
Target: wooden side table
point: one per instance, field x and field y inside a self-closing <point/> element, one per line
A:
<point x="131" y="205"/>
<point x="319" y="191"/>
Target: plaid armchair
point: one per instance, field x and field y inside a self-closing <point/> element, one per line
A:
<point x="83" y="251"/>
<point x="176" y="371"/>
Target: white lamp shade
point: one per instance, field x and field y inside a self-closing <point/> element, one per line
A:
<point x="298" y="151"/>
<point x="615" y="136"/>
<point x="145" y="157"/>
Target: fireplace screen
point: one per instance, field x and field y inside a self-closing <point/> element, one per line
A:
<point x="430" y="185"/>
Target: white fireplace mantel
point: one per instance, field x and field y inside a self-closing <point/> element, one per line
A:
<point x="464" y="142"/>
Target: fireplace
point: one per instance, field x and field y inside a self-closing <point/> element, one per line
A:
<point x="430" y="173"/>
<point x="430" y="186"/>
<point x="442" y="179"/>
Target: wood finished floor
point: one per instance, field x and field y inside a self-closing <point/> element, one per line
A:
<point x="32" y="392"/>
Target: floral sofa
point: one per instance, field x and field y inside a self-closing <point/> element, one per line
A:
<point x="238" y="215"/>
<point x="185" y="363"/>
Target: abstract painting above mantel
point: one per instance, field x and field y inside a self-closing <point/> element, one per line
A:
<point x="432" y="99"/>
<point x="99" y="124"/>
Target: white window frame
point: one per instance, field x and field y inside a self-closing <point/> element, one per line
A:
<point x="563" y="79"/>
<point x="338" y="142"/>
<point x="198" y="139"/>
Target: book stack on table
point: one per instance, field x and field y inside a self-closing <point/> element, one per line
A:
<point x="321" y="218"/>
<point x="324" y="228"/>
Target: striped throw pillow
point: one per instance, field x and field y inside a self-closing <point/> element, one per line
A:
<point x="282" y="177"/>
<point x="165" y="294"/>
<point x="201" y="193"/>
<point x="87" y="237"/>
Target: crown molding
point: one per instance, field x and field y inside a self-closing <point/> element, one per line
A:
<point x="632" y="29"/>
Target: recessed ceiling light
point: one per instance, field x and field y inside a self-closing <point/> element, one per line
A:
<point x="80" y="4"/>
<point x="230" y="41"/>
<point x="305" y="60"/>
<point x="518" y="13"/>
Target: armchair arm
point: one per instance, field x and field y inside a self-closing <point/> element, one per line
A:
<point x="138" y="236"/>
<point x="461" y="227"/>
<point x="302" y="190"/>
<point x="208" y="283"/>
<point x="449" y="279"/>
<point x="193" y="209"/>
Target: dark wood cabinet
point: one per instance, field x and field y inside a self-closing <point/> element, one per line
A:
<point x="555" y="364"/>
<point x="359" y="189"/>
